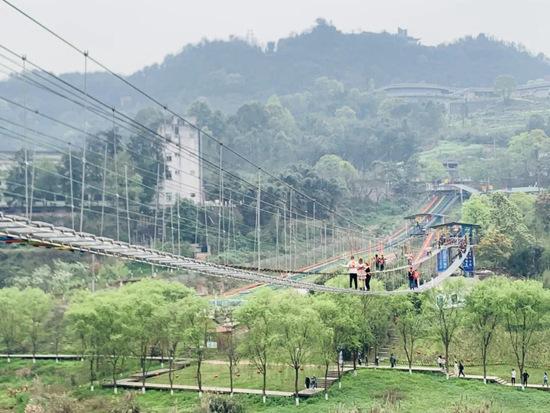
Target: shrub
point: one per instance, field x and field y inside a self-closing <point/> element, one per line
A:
<point x="219" y="404"/>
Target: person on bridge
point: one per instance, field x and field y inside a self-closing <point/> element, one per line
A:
<point x="367" y="276"/>
<point x="361" y="273"/>
<point x="416" y="279"/>
<point x="376" y="262"/>
<point x="352" y="271"/>
<point x="382" y="262"/>
<point x="410" y="276"/>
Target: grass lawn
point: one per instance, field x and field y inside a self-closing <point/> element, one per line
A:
<point x="279" y="377"/>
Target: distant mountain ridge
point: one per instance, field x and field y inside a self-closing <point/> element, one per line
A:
<point x="230" y="73"/>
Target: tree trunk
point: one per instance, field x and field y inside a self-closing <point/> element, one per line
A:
<point x="484" y="356"/>
<point x="92" y="376"/>
<point x="114" y="376"/>
<point x="231" y="375"/>
<point x="264" y="380"/>
<point x="171" y="374"/>
<point x="326" y="378"/>
<point x="143" y="372"/>
<point x="296" y="369"/>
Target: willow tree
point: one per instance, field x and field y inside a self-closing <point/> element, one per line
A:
<point x="484" y="306"/>
<point x="260" y="321"/>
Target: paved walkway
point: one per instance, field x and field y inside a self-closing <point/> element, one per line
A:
<point x="134" y="382"/>
<point x="42" y="356"/>
<point x="422" y="369"/>
<point x="69" y="357"/>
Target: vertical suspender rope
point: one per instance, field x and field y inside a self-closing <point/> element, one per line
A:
<point x="127" y="203"/>
<point x="285" y="228"/>
<point x="313" y="234"/>
<point x="157" y="206"/>
<point x="179" y="225"/>
<point x="172" y="238"/>
<point x="334" y="251"/>
<point x="325" y="242"/>
<point x="197" y="223"/>
<point x="102" y="226"/>
<point x="291" y="266"/>
<point x="83" y="183"/>
<point x="71" y="188"/>
<point x="206" y="225"/>
<point x="308" y="248"/>
<point x="117" y="195"/>
<point x="277" y="218"/>
<point x="258" y="220"/>
<point x="31" y="201"/>
<point x="26" y="155"/>
<point x="220" y="198"/>
<point x="164" y="200"/>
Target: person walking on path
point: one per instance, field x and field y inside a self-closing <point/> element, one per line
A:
<point x="513" y="377"/>
<point x="545" y="379"/>
<point x="441" y="362"/>
<point x="352" y="270"/>
<point x="456" y="369"/>
<point x="461" y="369"/>
<point x="393" y="360"/>
<point x="361" y="274"/>
<point x="525" y="378"/>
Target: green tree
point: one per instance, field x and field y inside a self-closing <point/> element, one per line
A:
<point x="37" y="310"/>
<point x="445" y="313"/>
<point x="495" y="247"/>
<point x="484" y="306"/>
<point x="410" y="321"/>
<point x="196" y="334"/>
<point x="143" y="333"/>
<point x="525" y="311"/>
<point x="176" y="320"/>
<point x="542" y="208"/>
<point x="13" y="321"/>
<point x="505" y="85"/>
<point x="83" y="321"/>
<point x="298" y="327"/>
<point x="260" y="320"/>
<point x="333" y="167"/>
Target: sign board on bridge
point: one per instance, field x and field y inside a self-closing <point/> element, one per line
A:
<point x="442" y="260"/>
<point x="469" y="263"/>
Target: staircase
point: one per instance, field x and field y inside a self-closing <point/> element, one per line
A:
<point x="385" y="351"/>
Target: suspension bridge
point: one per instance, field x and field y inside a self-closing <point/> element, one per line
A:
<point x="141" y="191"/>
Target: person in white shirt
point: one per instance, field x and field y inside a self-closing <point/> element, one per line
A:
<point x="352" y="271"/>
<point x="513" y="377"/>
<point x="361" y="273"/>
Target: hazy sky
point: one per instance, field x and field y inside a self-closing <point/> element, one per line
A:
<point x="128" y="34"/>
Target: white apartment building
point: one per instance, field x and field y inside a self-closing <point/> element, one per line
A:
<point x="183" y="165"/>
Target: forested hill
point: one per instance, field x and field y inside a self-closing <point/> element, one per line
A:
<point x="230" y="73"/>
<point x="234" y="68"/>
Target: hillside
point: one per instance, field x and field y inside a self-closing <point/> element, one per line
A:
<point x="229" y="73"/>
